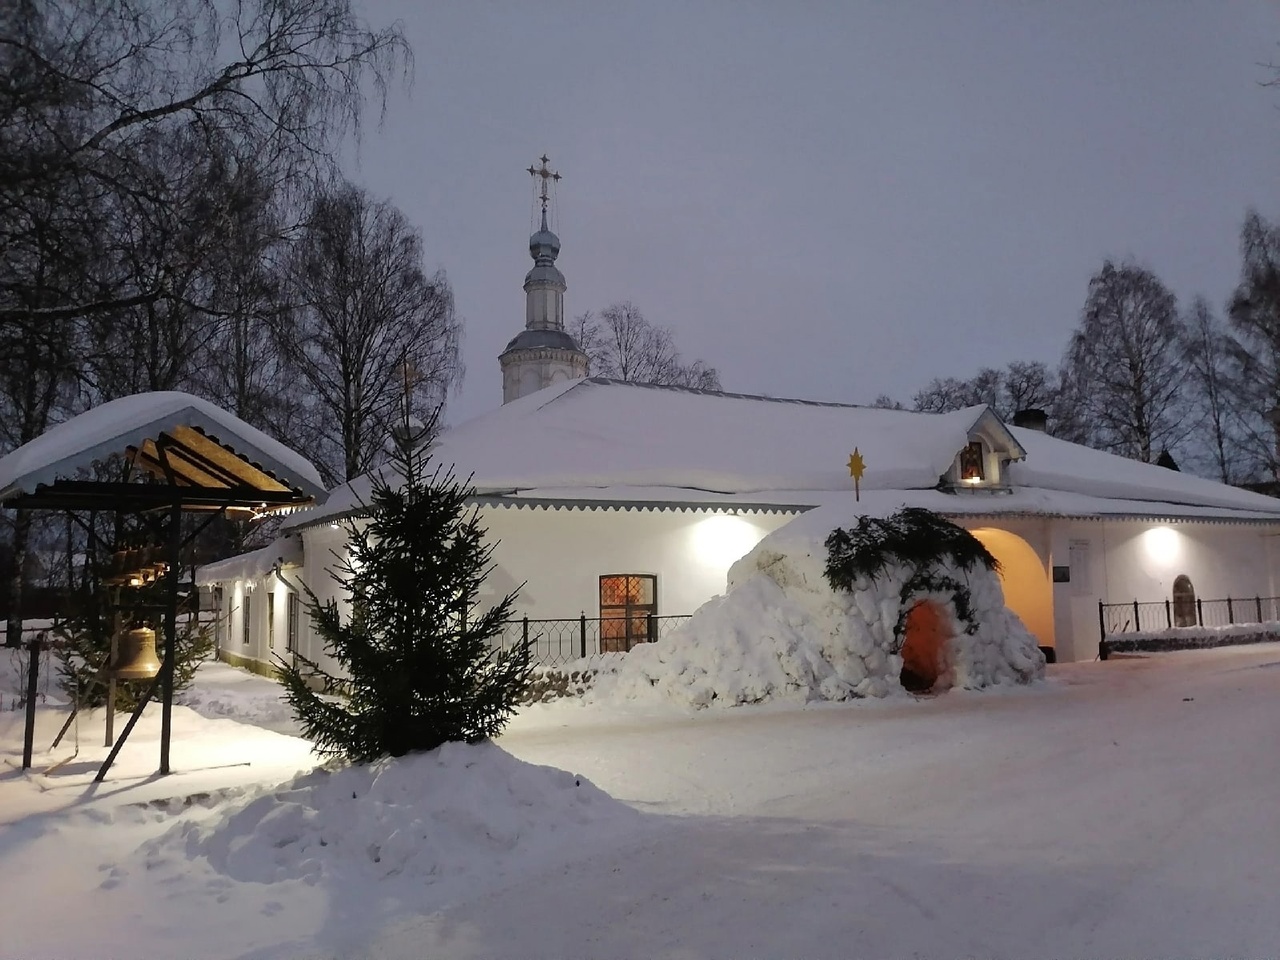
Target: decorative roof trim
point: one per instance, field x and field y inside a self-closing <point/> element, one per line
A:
<point x="1104" y="517"/>
<point x="635" y="506"/>
<point x="583" y="504"/>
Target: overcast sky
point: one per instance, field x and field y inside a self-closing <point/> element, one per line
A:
<point x="830" y="200"/>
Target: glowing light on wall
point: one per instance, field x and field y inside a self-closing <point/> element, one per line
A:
<point x="722" y="539"/>
<point x="1163" y="544"/>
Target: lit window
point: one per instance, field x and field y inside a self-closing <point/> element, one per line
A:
<point x="972" y="469"/>
<point x="628" y="606"/>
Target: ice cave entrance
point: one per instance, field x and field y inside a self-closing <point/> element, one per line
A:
<point x="928" y="630"/>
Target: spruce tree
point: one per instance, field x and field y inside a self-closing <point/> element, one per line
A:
<point x="418" y="663"/>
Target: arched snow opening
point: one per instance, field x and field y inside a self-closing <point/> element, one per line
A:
<point x="928" y="632"/>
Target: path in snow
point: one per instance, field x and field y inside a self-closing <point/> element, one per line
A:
<point x="1106" y="815"/>
<point x="1121" y="809"/>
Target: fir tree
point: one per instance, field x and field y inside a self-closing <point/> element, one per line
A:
<point x="419" y="665"/>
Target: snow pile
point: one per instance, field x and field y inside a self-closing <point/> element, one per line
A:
<point x="1194" y="638"/>
<point x="459" y="809"/>
<point x="782" y="632"/>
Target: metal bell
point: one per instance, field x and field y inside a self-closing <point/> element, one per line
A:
<point x="136" y="655"/>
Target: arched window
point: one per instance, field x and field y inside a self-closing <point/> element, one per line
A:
<point x="1184" y="602"/>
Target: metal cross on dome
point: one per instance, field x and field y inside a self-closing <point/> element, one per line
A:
<point x="546" y="174"/>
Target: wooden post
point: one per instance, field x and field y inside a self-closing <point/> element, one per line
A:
<point x="170" y="631"/>
<point x="33" y="679"/>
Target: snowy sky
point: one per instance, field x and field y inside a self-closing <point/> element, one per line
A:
<point x="830" y="200"/>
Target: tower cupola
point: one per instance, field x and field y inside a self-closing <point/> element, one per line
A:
<point x="544" y="352"/>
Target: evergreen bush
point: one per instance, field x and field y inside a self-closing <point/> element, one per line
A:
<point x="418" y="665"/>
<point x="918" y="540"/>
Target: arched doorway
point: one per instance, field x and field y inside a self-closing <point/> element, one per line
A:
<point x="1027" y="590"/>
<point x="1184" y="602"/>
<point x="926" y="634"/>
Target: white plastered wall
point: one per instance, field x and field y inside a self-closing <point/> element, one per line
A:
<point x="1119" y="561"/>
<point x="268" y="618"/>
<point x="559" y="556"/>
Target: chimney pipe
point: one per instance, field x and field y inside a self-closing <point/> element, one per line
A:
<point x="1032" y="418"/>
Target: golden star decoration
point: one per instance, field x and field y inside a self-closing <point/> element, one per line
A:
<point x="857" y="466"/>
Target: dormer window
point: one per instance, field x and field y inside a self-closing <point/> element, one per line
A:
<point x="973" y="463"/>
<point x="979" y="465"/>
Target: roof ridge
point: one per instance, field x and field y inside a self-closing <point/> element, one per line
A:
<point x="700" y="391"/>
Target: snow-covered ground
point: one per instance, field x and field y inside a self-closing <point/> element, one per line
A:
<point x="1116" y="809"/>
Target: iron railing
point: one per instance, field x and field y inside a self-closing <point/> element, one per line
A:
<point x="1138" y="615"/>
<point x="1116" y="620"/>
<point x="556" y="642"/>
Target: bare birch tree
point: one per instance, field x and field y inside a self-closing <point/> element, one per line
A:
<point x="620" y="343"/>
<point x="1254" y="316"/>
<point x="97" y="99"/>
<point x="1022" y="385"/>
<point x="363" y="308"/>
<point x="1212" y="363"/>
<point x="1124" y="365"/>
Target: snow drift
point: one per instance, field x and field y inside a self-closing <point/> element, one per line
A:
<point x="782" y="631"/>
<point x="457" y="810"/>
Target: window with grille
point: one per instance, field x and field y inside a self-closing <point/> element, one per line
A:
<point x="291" y="623"/>
<point x="628" y="604"/>
<point x="245" y="617"/>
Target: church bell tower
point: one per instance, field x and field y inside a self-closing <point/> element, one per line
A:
<point x="543" y="352"/>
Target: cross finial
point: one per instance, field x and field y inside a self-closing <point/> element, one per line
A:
<point x="545" y="174"/>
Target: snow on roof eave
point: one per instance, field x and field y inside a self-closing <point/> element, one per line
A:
<point x="285" y="550"/>
<point x="112" y="427"/>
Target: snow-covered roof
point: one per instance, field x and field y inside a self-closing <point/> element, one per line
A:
<point x="598" y="433"/>
<point x="604" y="441"/>
<point x="285" y="551"/>
<point x="131" y="421"/>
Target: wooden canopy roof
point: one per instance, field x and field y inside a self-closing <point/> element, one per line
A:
<point x="189" y="451"/>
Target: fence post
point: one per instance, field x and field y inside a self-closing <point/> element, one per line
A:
<point x="1258" y="603"/>
<point x="1168" y="615"/>
<point x="652" y="624"/>
<point x="524" y="631"/>
<point x="1137" y="616"/>
<point x="1231" y="613"/>
<point x="1199" y="612"/>
<point x="582" y="633"/>
<point x="1102" y="622"/>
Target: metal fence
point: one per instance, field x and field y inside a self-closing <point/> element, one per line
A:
<point x="1137" y="615"/>
<point x="557" y="642"/>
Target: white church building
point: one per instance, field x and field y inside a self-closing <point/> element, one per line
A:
<point x="615" y="505"/>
